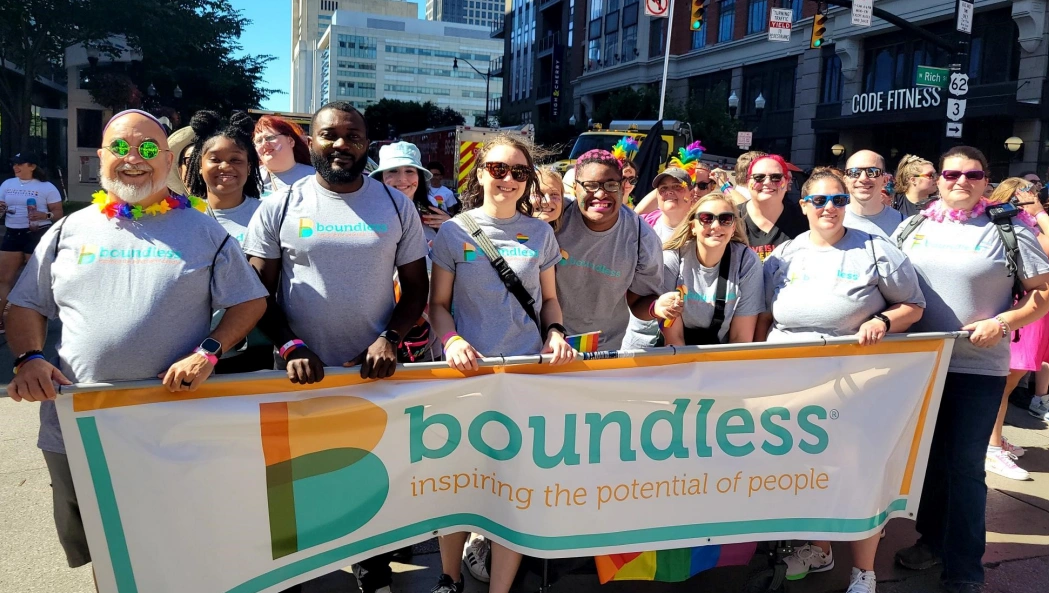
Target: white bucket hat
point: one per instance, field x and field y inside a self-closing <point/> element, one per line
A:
<point x="400" y="154"/>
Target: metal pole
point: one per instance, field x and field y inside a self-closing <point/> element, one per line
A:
<point x="506" y="361"/>
<point x="487" y="90"/>
<point x="666" y="61"/>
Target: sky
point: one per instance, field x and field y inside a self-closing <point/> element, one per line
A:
<point x="270" y="34"/>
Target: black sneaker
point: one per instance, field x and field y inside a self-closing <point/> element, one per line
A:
<point x="963" y="587"/>
<point x="445" y="584"/>
<point x="917" y="557"/>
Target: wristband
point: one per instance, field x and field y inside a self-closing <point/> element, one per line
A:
<point x="652" y="311"/>
<point x="452" y="340"/>
<point x="214" y="360"/>
<point x="286" y="349"/>
<point x="1003" y="325"/>
<point x="883" y="319"/>
<point x="725" y="187"/>
<point x="557" y="327"/>
<point x="26" y="358"/>
<point x="448" y="336"/>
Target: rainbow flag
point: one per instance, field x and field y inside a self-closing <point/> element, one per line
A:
<point x="440" y="201"/>
<point x="584" y="342"/>
<point x="522" y="238"/>
<point x="469" y="252"/>
<point x="671" y="566"/>
<point x="682" y="290"/>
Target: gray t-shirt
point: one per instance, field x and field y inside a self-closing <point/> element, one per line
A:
<point x="338" y="254"/>
<point x="962" y="270"/>
<point x="486" y="315"/>
<point x="645" y="334"/>
<point x="274" y="182"/>
<point x="832" y="291"/>
<point x="597" y="270"/>
<point x="744" y="292"/>
<point x="881" y="224"/>
<point x="235" y="220"/>
<point x="133" y="296"/>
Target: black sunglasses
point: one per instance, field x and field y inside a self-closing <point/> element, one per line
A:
<point x="773" y="177"/>
<point x="499" y="171"/>
<point x="708" y="218"/>
<point x="704" y="184"/>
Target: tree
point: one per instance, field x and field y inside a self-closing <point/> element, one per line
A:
<point x="389" y="118"/>
<point x="627" y="103"/>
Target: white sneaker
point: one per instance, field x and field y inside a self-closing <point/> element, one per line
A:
<point x="476" y="558"/>
<point x="863" y="581"/>
<point x="1039" y="407"/>
<point x="808" y="559"/>
<point x="1001" y="463"/>
<point x="1014" y="449"/>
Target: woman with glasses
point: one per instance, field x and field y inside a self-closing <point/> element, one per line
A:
<point x="963" y="266"/>
<point x="705" y="261"/>
<point x="915" y="184"/>
<point x="282" y="150"/>
<point x="768" y="217"/>
<point x="837" y="281"/>
<point x="488" y="320"/>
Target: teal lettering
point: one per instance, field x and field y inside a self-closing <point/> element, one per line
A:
<point x="676" y="420"/>
<point x="776" y="430"/>
<point x="568" y="455"/>
<point x="597" y="424"/>
<point x="725" y="429"/>
<point x="417" y="425"/>
<point x="702" y="448"/>
<point x="513" y="447"/>
<point x="806" y="424"/>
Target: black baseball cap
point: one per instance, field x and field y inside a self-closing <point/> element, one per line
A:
<point x="25" y="157"/>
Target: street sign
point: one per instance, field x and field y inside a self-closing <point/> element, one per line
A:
<point x="932" y="76"/>
<point x="657" y="8"/>
<point x="954" y="129"/>
<point x="862" y="10"/>
<point x="959" y="84"/>
<point x="780" y="23"/>
<point x="965" y="16"/>
<point x="956" y="109"/>
<point x="744" y="140"/>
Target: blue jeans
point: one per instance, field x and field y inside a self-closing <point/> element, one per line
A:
<point x="952" y="513"/>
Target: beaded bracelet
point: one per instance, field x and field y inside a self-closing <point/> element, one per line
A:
<point x="1003" y="325"/>
<point x="27" y="359"/>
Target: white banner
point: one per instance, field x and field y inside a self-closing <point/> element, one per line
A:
<point x="254" y="484"/>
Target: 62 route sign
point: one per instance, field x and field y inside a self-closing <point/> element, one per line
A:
<point x="657" y="8"/>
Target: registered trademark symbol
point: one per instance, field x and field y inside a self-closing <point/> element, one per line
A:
<point x="833" y="414"/>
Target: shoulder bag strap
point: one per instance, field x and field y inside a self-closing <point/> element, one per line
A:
<point x="721" y="291"/>
<point x="506" y="274"/>
<point x="1013" y="260"/>
<point x="912" y="224"/>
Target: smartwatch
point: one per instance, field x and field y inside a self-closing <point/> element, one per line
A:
<point x="50" y="215"/>
<point x="211" y="346"/>
<point x="392" y="337"/>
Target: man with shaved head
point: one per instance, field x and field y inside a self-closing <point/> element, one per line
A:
<point x="865" y="179"/>
<point x="134" y="279"/>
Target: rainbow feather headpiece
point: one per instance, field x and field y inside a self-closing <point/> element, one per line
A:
<point x="688" y="158"/>
<point x="625" y="149"/>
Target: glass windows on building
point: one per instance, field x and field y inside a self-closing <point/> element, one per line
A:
<point x="832" y="84"/>
<point x="630" y="12"/>
<point x="757" y="16"/>
<point x="357" y="46"/>
<point x="352" y="88"/>
<point x="726" y="19"/>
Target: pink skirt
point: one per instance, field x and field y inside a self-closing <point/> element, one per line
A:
<point x="1033" y="348"/>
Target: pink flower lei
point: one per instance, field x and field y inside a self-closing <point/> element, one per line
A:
<point x="939" y="212"/>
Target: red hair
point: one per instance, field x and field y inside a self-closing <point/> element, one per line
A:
<point x="279" y="125"/>
<point x="771" y="157"/>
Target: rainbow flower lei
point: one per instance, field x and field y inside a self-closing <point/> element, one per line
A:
<point x="114" y="208"/>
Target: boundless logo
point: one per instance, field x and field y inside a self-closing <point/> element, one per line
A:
<point x="90" y="254"/>
<point x="322" y="480"/>
<point x="567" y="260"/>
<point x="309" y="227"/>
<point x="470" y="252"/>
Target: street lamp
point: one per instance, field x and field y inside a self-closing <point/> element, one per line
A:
<point x="733" y="104"/>
<point x="151" y="90"/>
<point x="1014" y="143"/>
<point x="837" y="150"/>
<point x="487" y="82"/>
<point x="759" y="103"/>
<point x="177" y="92"/>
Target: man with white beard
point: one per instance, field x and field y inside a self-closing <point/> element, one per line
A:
<point x="134" y="280"/>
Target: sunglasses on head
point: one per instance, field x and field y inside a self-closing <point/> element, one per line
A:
<point x="772" y="177"/>
<point x="499" y="171"/>
<point x="708" y="218"/>
<point x="855" y="172"/>
<point x="820" y="201"/>
<point x="974" y="175"/>
<point x="148" y="150"/>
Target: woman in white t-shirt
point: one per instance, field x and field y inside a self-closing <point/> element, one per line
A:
<point x="283" y="154"/>
<point x="31" y="204"/>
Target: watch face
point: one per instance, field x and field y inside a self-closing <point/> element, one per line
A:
<point x="211" y="345"/>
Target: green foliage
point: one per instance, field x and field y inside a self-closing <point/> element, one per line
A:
<point x="389" y="118"/>
<point x="627" y="103"/>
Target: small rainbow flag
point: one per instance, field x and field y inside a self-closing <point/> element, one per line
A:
<point x="682" y="290"/>
<point x="469" y="252"/>
<point x="564" y="255"/>
<point x="584" y="342"/>
<point x="671" y="566"/>
<point x="440" y="201"/>
<point x="522" y="238"/>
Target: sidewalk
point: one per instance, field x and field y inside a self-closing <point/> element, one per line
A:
<point x="1017" y="557"/>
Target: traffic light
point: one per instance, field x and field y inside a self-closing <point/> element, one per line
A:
<point x="698" y="7"/>
<point x="819" y="29"/>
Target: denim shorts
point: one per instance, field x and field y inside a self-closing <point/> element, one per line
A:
<point x="22" y="240"/>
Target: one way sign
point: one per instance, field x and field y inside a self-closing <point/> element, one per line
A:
<point x="954" y="129"/>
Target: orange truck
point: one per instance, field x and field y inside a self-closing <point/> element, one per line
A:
<point x="455" y="147"/>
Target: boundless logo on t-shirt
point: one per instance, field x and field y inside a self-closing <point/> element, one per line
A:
<point x="309" y="228"/>
<point x="823" y="275"/>
<point x="90" y="254"/>
<point x="470" y="252"/>
<point x="567" y="260"/>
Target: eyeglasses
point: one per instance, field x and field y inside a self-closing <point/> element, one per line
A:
<point x="772" y="177"/>
<point x="820" y="201"/>
<point x="926" y="175"/>
<point x="703" y="185"/>
<point x="974" y="175"/>
<point x="148" y="150"/>
<point x="671" y="187"/>
<point x="610" y="187"/>
<point x="630" y="180"/>
<point x="499" y="170"/>
<point x="268" y="139"/>
<point x="855" y="172"/>
<point x="708" y="218"/>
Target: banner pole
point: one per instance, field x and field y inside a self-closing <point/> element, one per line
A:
<point x="666" y="61"/>
<point x="533" y="359"/>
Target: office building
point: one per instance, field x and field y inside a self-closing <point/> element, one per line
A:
<point x="466" y="12"/>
